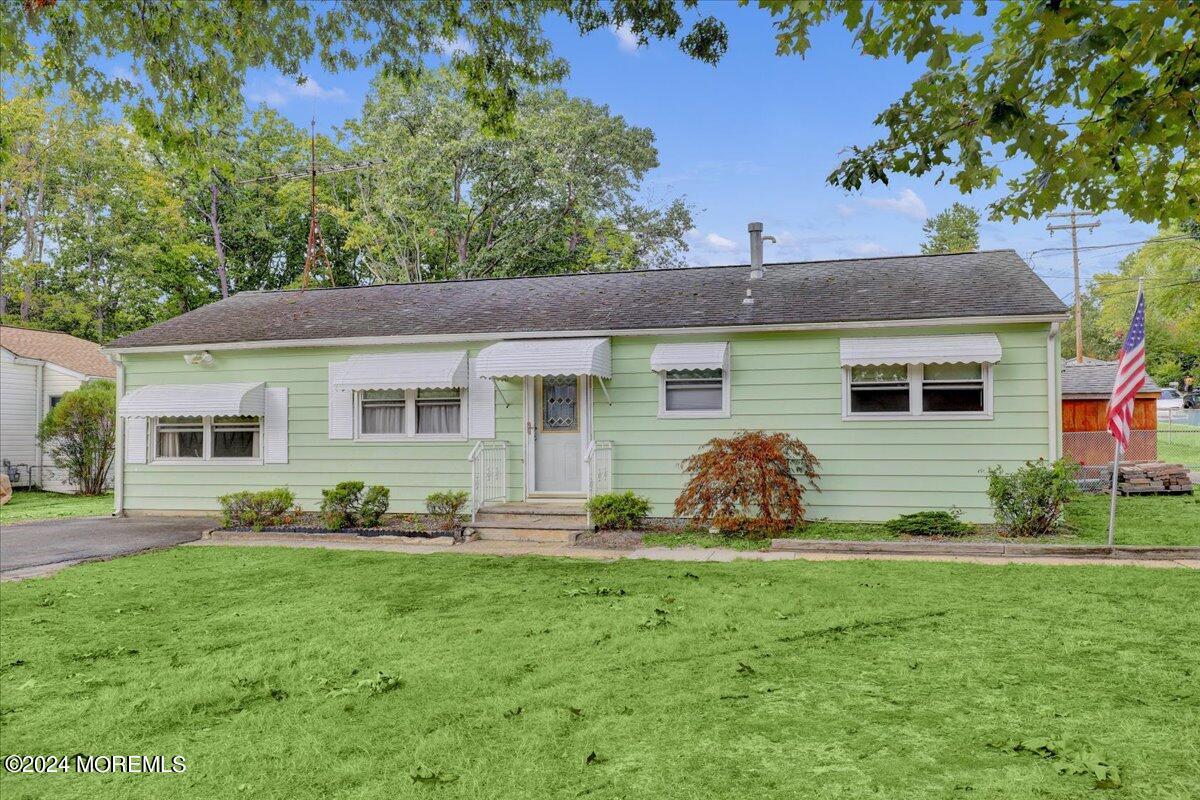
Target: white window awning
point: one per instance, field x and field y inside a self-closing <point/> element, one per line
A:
<point x="970" y="348"/>
<point x="533" y="357"/>
<point x="696" y="355"/>
<point x="405" y="371"/>
<point x="195" y="400"/>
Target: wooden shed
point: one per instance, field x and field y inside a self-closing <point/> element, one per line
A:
<point x="1086" y="389"/>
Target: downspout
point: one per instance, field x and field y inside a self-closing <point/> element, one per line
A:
<point x="41" y="414"/>
<point x="119" y="455"/>
<point x="1054" y="398"/>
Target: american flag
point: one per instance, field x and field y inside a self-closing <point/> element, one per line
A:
<point x="1131" y="375"/>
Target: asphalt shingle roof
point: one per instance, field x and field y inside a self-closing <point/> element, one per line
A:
<point x="1094" y="378"/>
<point x="63" y="349"/>
<point x="991" y="283"/>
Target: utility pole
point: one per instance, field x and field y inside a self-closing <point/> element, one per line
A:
<point x="1074" y="226"/>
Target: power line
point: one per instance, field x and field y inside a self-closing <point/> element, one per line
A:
<point x="1159" y="286"/>
<point x="1177" y="238"/>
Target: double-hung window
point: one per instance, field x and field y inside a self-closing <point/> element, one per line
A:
<point x="222" y="439"/>
<point x="693" y="391"/>
<point x="953" y="389"/>
<point x="917" y="390"/>
<point x="880" y="389"/>
<point x="382" y="413"/>
<point x="693" y="379"/>
<point x="390" y="414"/>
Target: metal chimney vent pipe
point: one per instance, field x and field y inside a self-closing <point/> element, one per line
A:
<point x="756" y="249"/>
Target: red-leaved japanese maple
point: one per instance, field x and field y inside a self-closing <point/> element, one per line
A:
<point x="749" y="483"/>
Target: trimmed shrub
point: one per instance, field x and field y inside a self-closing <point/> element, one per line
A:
<point x="445" y="508"/>
<point x="374" y="506"/>
<point x="749" y="484"/>
<point x="257" y="510"/>
<point x="1032" y="500"/>
<point x="930" y="523"/>
<point x="618" y="511"/>
<point x="79" y="434"/>
<point x="340" y="505"/>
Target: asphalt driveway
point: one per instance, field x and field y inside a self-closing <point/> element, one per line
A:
<point x="32" y="549"/>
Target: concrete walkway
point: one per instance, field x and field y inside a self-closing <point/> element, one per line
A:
<point x="720" y="554"/>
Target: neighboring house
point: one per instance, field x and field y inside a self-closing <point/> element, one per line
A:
<point x="906" y="376"/>
<point x="1086" y="389"/>
<point x="36" y="369"/>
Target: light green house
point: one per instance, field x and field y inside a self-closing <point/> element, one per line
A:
<point x="907" y="377"/>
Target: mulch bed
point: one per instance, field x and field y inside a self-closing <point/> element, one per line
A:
<point x="410" y="525"/>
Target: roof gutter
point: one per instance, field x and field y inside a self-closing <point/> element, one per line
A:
<point x="361" y="341"/>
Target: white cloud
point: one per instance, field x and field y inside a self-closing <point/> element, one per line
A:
<point x="283" y="91"/>
<point x="907" y="203"/>
<point x="719" y="242"/>
<point x="627" y="40"/>
<point x="844" y="210"/>
<point x="709" y="248"/>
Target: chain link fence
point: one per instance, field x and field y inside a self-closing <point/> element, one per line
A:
<point x="1173" y="443"/>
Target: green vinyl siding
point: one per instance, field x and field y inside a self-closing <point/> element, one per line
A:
<point x="871" y="469"/>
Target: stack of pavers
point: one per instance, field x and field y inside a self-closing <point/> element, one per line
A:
<point x="1150" y="477"/>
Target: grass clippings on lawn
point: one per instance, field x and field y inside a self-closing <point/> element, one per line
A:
<point x="27" y="506"/>
<point x="314" y="674"/>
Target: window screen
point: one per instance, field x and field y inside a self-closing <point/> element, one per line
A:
<point x="879" y="389"/>
<point x="952" y="387"/>
<point x="179" y="437"/>
<point x="439" y="411"/>
<point x="694" y="390"/>
<point x="383" y="412"/>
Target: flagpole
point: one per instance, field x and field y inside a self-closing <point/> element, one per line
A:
<point x="1116" y="468"/>
<point x="1112" y="504"/>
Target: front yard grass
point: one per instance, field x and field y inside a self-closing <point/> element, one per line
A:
<point x="313" y="674"/>
<point x="25" y="506"/>
<point x="1168" y="520"/>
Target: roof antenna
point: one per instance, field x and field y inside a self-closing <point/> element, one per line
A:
<point x="316" y="241"/>
<point x="756" y="249"/>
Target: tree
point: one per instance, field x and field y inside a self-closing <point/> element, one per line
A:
<point x="1098" y="98"/>
<point x="955" y="230"/>
<point x="559" y="194"/>
<point x="1170" y="265"/>
<point x="79" y="434"/>
<point x="105" y="225"/>
<point x="749" y="483"/>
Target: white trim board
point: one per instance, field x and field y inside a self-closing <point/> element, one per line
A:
<point x="490" y="336"/>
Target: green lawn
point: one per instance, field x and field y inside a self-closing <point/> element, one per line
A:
<point x="1141" y="520"/>
<point x="1179" y="444"/>
<point x="26" y="506"/>
<point x="311" y="674"/>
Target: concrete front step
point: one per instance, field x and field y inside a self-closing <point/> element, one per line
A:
<point x="531" y="522"/>
<point x="545" y="535"/>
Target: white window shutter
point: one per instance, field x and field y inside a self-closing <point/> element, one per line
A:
<point x="135" y="440"/>
<point x="482" y="400"/>
<point x="341" y="406"/>
<point x="275" y="426"/>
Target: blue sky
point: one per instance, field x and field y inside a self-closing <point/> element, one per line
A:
<point x="753" y="139"/>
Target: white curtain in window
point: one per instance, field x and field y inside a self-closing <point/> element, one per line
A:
<point x="439" y="417"/>
<point x="383" y="418"/>
<point x="438" y="411"/>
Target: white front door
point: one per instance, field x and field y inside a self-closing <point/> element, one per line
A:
<point x="555" y="428"/>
